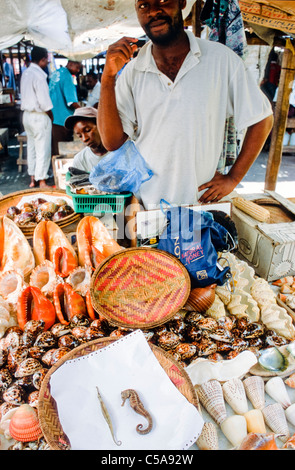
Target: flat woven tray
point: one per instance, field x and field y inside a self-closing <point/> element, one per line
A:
<point x="13" y="199"/>
<point x="139" y="287"/>
<point x="47" y="410"/>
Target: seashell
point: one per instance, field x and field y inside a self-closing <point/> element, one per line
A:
<point x="262" y="292"/>
<point x="254" y="387"/>
<point x="36" y="352"/>
<point x="80" y="278"/>
<point x="272" y="359"/>
<point x="168" y="340"/>
<point x="202" y="370"/>
<point x="255" y="421"/>
<point x="290" y="381"/>
<point x="11" y="284"/>
<point x="79" y="332"/>
<point x="68" y="341"/>
<point x="34" y="327"/>
<point x="201" y="298"/>
<point x="211" y="397"/>
<point x="59" y="329"/>
<point x="208" y="439"/>
<point x="15" y="357"/>
<point x="27" y="367"/>
<point x="33" y="398"/>
<point x="290" y="444"/>
<point x="5" y="379"/>
<point x="3" y="356"/>
<point x="24" y="425"/>
<point x="224" y="294"/>
<point x="205" y="347"/>
<point x="47" y="358"/>
<point x="28" y="339"/>
<point x="193" y="318"/>
<point x="235" y="395"/>
<point x="5" y="420"/>
<point x="92" y="333"/>
<point x="4" y="408"/>
<point x="243" y="304"/>
<point x="276" y="420"/>
<point x="38" y="377"/>
<point x="44" y="277"/>
<point x="14" y="394"/>
<point x="58" y="354"/>
<point x="13" y="339"/>
<point x="277" y="318"/>
<point x="186" y="350"/>
<point x="79" y="320"/>
<point x="16" y="252"/>
<point x="46" y="339"/>
<point x="258" y="441"/>
<point x="217" y="309"/>
<point x="290" y="414"/>
<point x="235" y="429"/>
<point x="25" y="382"/>
<point x="276" y="389"/>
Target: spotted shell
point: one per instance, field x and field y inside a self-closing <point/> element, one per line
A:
<point x="27" y="367"/>
<point x="24" y="425"/>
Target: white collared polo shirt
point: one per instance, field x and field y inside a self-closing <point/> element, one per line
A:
<point x="178" y="127"/>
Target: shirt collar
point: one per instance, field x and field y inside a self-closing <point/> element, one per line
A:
<point x="145" y="60"/>
<point x="37" y="67"/>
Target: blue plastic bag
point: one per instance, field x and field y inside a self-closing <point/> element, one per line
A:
<point x="122" y="170"/>
<point x="195" y="238"/>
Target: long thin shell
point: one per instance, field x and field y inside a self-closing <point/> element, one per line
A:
<point x="107" y="417"/>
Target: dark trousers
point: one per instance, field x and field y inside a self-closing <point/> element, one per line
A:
<point x="60" y="134"/>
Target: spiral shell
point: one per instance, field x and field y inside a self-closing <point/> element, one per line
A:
<point x="276" y="420"/>
<point x="276" y="389"/>
<point x="211" y="397"/>
<point x="235" y="395"/>
<point x="208" y="439"/>
<point x="44" y="277"/>
<point x="24" y="425"/>
<point x="254" y="387"/>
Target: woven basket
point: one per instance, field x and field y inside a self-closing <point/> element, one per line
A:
<point x="47" y="410"/>
<point x="13" y="199"/>
<point x="139" y="287"/>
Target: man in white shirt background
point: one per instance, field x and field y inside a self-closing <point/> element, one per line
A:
<point x="37" y="117"/>
<point x="93" y="85"/>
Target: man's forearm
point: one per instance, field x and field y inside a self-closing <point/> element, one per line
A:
<point x="254" y="140"/>
<point x="108" y="120"/>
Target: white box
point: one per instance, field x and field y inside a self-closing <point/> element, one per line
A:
<point x="268" y="247"/>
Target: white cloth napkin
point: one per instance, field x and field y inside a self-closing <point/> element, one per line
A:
<point x="126" y="363"/>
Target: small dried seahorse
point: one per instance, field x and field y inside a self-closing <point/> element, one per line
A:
<point x="138" y="407"/>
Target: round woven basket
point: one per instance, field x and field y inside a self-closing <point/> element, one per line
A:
<point x="13" y="199"/>
<point x="47" y="409"/>
<point x="139" y="287"/>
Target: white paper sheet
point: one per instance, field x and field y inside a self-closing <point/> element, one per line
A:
<point x="127" y="363"/>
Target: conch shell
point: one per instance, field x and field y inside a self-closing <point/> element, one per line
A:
<point x="49" y="242"/>
<point x="259" y="441"/>
<point x="45" y="277"/>
<point x="33" y="305"/>
<point x="94" y="242"/>
<point x="15" y="251"/>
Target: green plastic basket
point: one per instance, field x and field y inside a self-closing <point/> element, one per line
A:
<point x="86" y="203"/>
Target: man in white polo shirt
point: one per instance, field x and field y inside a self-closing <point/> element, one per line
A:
<point x="37" y="117"/>
<point x="173" y="100"/>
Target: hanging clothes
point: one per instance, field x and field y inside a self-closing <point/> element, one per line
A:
<point x="225" y="21"/>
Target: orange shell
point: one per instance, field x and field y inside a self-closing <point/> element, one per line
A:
<point x="201" y="298"/>
<point x="24" y="425"/>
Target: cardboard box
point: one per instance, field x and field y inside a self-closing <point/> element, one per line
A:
<point x="268" y="247"/>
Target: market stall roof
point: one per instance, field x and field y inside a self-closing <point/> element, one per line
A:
<point x="77" y="29"/>
<point x="274" y="14"/>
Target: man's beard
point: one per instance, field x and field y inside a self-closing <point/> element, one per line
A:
<point x="175" y="28"/>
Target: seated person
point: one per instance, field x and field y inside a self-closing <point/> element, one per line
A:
<point x="83" y="123"/>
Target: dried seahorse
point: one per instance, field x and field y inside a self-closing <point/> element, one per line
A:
<point x="138" y="407"/>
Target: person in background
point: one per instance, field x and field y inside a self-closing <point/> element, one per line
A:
<point x="83" y="123"/>
<point x="93" y="85"/>
<point x="173" y="100"/>
<point x="64" y="97"/>
<point x="8" y="74"/>
<point x="37" y="117"/>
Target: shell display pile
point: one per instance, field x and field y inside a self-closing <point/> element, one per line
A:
<point x="39" y="209"/>
<point x="242" y="409"/>
<point x="228" y="324"/>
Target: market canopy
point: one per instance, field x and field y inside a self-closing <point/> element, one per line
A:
<point x="77" y="29"/>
